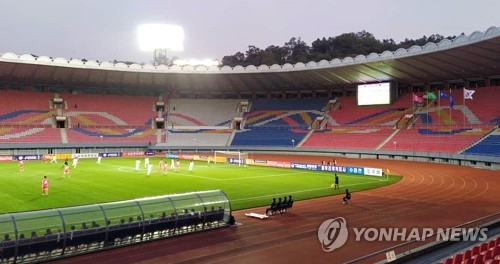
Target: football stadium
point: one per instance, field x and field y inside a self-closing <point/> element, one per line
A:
<point x="381" y="157"/>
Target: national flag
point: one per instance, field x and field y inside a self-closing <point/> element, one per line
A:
<point x="417" y="99"/>
<point x="452" y="102"/>
<point x="431" y="96"/>
<point x="468" y="93"/>
<point x="388" y="172"/>
<point x="443" y="95"/>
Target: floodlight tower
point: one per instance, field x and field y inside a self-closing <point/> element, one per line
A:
<point x="159" y="38"/>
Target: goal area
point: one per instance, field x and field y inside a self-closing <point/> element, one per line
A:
<point x="231" y="157"/>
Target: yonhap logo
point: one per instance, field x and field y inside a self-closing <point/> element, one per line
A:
<point x="332" y="233"/>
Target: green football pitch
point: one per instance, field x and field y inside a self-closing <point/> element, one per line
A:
<point x="116" y="179"/>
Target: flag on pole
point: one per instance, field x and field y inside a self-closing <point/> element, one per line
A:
<point x="417" y="99"/>
<point x="431" y="96"/>
<point x="452" y="102"/>
<point x="468" y="94"/>
<point x="388" y="172"/>
<point x="443" y="95"/>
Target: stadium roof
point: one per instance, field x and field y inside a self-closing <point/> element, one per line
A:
<point x="465" y="57"/>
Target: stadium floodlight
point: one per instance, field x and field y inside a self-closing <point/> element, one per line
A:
<point x="159" y="38"/>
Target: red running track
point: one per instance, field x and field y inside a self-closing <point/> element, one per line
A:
<point x="429" y="195"/>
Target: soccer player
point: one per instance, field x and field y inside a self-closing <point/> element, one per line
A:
<point x="66" y="170"/>
<point x="65" y="163"/>
<point x="137" y="164"/>
<point x="54" y="159"/>
<point x="146" y="162"/>
<point x="172" y="164"/>
<point x="150" y="167"/>
<point x="21" y="165"/>
<point x="99" y="158"/>
<point x="209" y="159"/>
<point x="177" y="166"/>
<point x="75" y="162"/>
<point x="45" y="186"/>
<point x="191" y="165"/>
<point x="161" y="164"/>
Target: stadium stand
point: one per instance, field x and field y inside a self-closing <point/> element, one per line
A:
<point x="201" y="137"/>
<point x="27" y="134"/>
<point x="488" y="146"/>
<point x="349" y="113"/>
<point x="109" y="110"/>
<point x="348" y="137"/>
<point x="437" y="139"/>
<point x="111" y="134"/>
<point x="278" y="122"/>
<point x="202" y="112"/>
<point x="487" y="252"/>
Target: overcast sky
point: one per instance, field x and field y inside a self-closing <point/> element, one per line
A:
<point x="107" y="29"/>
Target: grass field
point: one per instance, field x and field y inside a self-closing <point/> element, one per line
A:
<point x="116" y="179"/>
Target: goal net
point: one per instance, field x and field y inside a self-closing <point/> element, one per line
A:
<point x="230" y="157"/>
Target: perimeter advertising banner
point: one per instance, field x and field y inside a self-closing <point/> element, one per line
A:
<point x="111" y="154"/>
<point x="344" y="169"/>
<point x="86" y="155"/>
<point x="172" y="156"/>
<point x="133" y="154"/>
<point x="373" y="171"/>
<point x="6" y="158"/>
<point x="235" y="161"/>
<point x="27" y="157"/>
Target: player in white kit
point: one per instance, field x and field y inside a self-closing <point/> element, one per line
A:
<point x="146" y="162"/>
<point x="137" y="164"/>
<point x="99" y="158"/>
<point x="191" y="165"/>
<point x="150" y="167"/>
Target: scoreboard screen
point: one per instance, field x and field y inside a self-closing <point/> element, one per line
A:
<point x="374" y="94"/>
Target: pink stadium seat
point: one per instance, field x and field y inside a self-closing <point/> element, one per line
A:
<point x="468" y="255"/>
<point x="448" y="261"/>
<point x="457" y="259"/>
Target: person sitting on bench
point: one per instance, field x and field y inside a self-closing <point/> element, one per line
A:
<point x="290" y="202"/>
<point x="347" y="197"/>
<point x="284" y="205"/>
<point x="272" y="208"/>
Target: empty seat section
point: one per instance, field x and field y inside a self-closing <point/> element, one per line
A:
<point x="489" y="146"/>
<point x="202" y="112"/>
<point x="437" y="139"/>
<point x="27" y="134"/>
<point x="109" y="110"/>
<point x="348" y="138"/>
<point x="198" y="138"/>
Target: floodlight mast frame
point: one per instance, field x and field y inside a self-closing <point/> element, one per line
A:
<point x="160" y="57"/>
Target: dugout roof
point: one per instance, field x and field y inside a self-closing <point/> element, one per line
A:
<point x="468" y="56"/>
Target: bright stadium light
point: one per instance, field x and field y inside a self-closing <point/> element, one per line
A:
<point x="159" y="38"/>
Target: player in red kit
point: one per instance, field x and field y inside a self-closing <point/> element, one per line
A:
<point x="45" y="186"/>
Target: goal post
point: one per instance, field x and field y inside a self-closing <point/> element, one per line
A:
<point x="232" y="157"/>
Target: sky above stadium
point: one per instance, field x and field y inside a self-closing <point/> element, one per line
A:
<point x="107" y="29"/>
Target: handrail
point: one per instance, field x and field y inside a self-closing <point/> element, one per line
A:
<point x="408" y="243"/>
